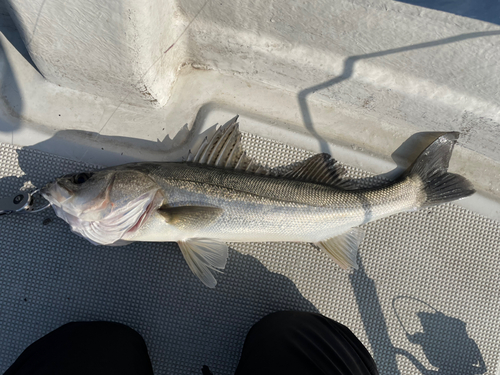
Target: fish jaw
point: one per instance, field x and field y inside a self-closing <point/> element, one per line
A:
<point x="55" y="194"/>
<point x="87" y="200"/>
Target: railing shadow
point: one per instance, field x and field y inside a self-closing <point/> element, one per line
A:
<point x="372" y="316"/>
<point x="14" y="37"/>
<point x="11" y="101"/>
<point x="349" y="66"/>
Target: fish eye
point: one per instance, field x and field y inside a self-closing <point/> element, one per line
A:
<point x="80" y="178"/>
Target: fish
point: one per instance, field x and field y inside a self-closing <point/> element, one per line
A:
<point x="219" y="195"/>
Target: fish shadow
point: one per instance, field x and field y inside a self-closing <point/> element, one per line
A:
<point x="74" y="145"/>
<point x="101" y="150"/>
<point x="51" y="277"/>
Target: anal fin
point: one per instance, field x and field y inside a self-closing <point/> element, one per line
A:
<point x="343" y="249"/>
<point x="204" y="255"/>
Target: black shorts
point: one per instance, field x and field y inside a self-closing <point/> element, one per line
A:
<point x="280" y="343"/>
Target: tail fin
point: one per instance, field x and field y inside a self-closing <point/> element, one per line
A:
<point x="432" y="168"/>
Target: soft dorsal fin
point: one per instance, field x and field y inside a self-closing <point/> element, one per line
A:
<point x="322" y="169"/>
<point x="224" y="150"/>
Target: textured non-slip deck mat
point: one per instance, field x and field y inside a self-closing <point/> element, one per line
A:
<point x="425" y="300"/>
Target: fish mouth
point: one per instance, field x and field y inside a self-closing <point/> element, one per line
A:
<point x="55" y="193"/>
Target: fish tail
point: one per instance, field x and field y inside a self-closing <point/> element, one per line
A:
<point x="431" y="167"/>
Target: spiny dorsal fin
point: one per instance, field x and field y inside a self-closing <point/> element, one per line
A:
<point x="322" y="169"/>
<point x="343" y="249"/>
<point x="224" y="150"/>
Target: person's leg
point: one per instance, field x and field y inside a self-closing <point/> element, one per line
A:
<point x="86" y="348"/>
<point x="290" y="342"/>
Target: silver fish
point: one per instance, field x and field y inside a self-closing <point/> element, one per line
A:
<point x="220" y="195"/>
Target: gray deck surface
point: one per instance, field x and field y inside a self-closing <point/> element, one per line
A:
<point x="435" y="271"/>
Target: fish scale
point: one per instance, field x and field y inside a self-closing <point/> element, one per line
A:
<point x="294" y="210"/>
<point x="221" y="195"/>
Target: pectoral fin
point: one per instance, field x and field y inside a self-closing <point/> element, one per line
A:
<point x="343" y="249"/>
<point x="191" y="217"/>
<point x="203" y="255"/>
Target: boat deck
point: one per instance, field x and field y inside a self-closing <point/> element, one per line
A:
<point x="424" y="299"/>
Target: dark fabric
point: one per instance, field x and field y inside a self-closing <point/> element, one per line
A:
<point x="281" y="343"/>
<point x="86" y="348"/>
<point x="303" y="343"/>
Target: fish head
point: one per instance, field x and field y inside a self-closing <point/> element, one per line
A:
<point x="93" y="196"/>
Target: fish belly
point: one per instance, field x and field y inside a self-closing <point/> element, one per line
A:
<point x="254" y="224"/>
